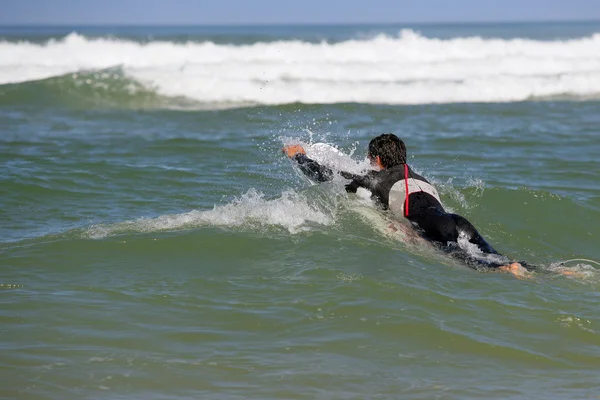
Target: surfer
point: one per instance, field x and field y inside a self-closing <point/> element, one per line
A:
<point x="396" y="187"/>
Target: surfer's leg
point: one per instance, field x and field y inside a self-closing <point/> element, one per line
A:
<point x="516" y="269"/>
<point x="436" y="226"/>
<point x="464" y="227"/>
<point x="520" y="270"/>
<point x="444" y="227"/>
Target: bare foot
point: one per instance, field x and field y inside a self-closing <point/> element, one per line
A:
<point x="574" y="274"/>
<point x="516" y="269"/>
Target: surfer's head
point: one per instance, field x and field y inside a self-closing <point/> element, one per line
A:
<point x="389" y="148"/>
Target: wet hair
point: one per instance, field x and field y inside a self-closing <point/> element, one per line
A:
<point x="390" y="149"/>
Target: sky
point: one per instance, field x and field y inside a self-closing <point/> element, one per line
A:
<point x="242" y="12"/>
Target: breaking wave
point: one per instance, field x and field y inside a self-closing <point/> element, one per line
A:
<point x="404" y="69"/>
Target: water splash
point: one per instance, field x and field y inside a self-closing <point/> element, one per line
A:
<point x="292" y="211"/>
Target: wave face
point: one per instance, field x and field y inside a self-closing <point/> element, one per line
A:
<point x="407" y="68"/>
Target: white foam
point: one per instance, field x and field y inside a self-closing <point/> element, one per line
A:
<point x="291" y="211"/>
<point x="576" y="268"/>
<point x="406" y="69"/>
<point x="474" y="251"/>
<point x="334" y="158"/>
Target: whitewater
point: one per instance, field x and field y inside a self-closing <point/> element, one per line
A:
<point x="408" y="68"/>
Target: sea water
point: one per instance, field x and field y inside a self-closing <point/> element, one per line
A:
<point x="155" y="243"/>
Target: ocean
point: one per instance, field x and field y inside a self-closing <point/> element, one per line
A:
<point x="155" y="243"/>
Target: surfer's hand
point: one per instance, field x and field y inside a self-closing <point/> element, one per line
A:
<point x="352" y="187"/>
<point x="293" y="149"/>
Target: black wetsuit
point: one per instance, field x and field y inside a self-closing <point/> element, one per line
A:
<point x="422" y="206"/>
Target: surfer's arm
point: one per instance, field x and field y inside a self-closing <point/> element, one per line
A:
<point x="313" y="169"/>
<point x="309" y="167"/>
<point x="363" y="181"/>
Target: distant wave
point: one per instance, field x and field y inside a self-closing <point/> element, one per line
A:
<point x="406" y="69"/>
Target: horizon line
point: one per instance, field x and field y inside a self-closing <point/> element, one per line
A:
<point x="259" y="24"/>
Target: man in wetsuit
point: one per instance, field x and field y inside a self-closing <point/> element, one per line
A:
<point x="395" y="186"/>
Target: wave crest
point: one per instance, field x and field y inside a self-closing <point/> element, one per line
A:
<point x="406" y="69"/>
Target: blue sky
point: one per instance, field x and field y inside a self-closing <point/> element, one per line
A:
<point x="284" y="12"/>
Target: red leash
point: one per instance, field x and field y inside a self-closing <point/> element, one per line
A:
<point x="406" y="186"/>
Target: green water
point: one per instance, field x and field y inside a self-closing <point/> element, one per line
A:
<point x="176" y="254"/>
<point x="153" y="247"/>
